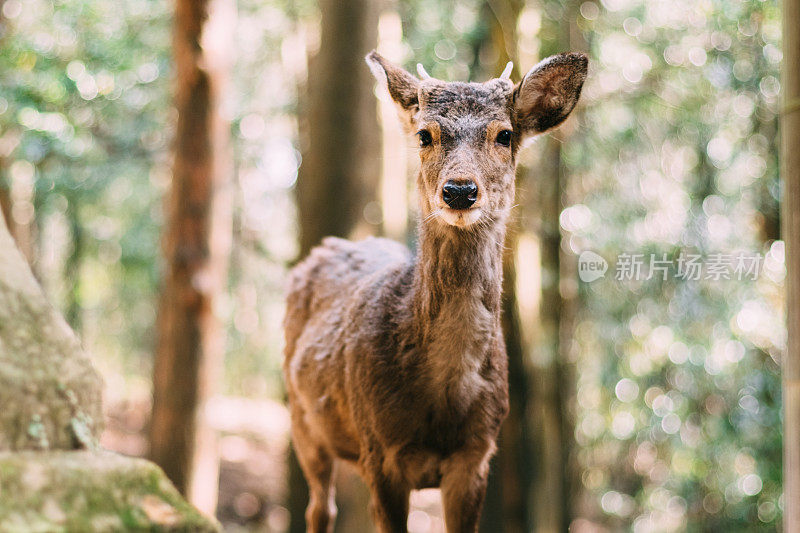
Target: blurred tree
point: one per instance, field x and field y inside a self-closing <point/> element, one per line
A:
<point x="339" y="128"/>
<point x="15" y="202"/>
<point x="191" y="342"/>
<point x="553" y="365"/>
<point x="338" y="177"/>
<point x="506" y="508"/>
<point x="530" y="482"/>
<point x="550" y="449"/>
<point x="790" y="155"/>
<point x="5" y="183"/>
<point x="19" y="220"/>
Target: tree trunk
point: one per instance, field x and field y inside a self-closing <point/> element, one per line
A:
<point x="553" y="490"/>
<point x="196" y="245"/>
<point x="790" y="155"/>
<point x="338" y="179"/>
<point x="341" y="139"/>
<point x="549" y="495"/>
<point x="506" y="508"/>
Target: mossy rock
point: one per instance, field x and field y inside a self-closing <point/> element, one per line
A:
<point x="49" y="392"/>
<point x="90" y="491"/>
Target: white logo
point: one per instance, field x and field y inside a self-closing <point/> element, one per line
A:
<point x="591" y="266"/>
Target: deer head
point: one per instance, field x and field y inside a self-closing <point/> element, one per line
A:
<point x="469" y="133"/>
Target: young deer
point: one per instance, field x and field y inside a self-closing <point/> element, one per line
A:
<point x="397" y="362"/>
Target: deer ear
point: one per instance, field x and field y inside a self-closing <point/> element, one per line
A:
<point x="402" y="86"/>
<point x="548" y="93"/>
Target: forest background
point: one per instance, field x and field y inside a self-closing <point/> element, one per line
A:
<point x="649" y="402"/>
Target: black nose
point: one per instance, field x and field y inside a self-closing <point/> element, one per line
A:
<point x="459" y="195"/>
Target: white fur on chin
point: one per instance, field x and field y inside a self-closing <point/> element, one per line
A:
<point x="461" y="218"/>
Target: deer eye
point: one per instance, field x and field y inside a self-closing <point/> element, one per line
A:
<point x="425" y="138"/>
<point x="504" y="138"/>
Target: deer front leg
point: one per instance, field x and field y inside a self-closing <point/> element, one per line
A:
<point x="389" y="503"/>
<point x="464" y="487"/>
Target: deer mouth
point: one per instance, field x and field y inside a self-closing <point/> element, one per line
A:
<point x="460" y="218"/>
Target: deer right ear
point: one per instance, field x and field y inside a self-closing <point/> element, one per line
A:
<point x="402" y="86"/>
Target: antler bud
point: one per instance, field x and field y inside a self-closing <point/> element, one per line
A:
<point x="507" y="71"/>
<point x="422" y="72"/>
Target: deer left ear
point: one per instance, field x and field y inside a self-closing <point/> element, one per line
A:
<point x="548" y="93"/>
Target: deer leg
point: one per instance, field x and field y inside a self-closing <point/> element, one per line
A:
<point x="317" y="466"/>
<point x="463" y="489"/>
<point x="389" y="503"/>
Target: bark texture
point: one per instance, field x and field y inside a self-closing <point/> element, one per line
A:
<point x="49" y="392"/>
<point x="790" y="156"/>
<point x="196" y="247"/>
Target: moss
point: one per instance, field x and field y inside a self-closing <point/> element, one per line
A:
<point x="80" y="427"/>
<point x="91" y="491"/>
<point x="37" y="432"/>
<point x="130" y="519"/>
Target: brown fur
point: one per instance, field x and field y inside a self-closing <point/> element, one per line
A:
<point x="397" y="362"/>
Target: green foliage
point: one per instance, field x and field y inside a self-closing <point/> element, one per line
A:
<point x="85" y="119"/>
<point x="676" y="153"/>
<point x="446" y="37"/>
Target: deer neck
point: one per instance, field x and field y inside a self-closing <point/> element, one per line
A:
<point x="458" y="265"/>
<point x="456" y="298"/>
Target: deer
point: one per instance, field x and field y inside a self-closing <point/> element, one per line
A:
<point x="395" y="362"/>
